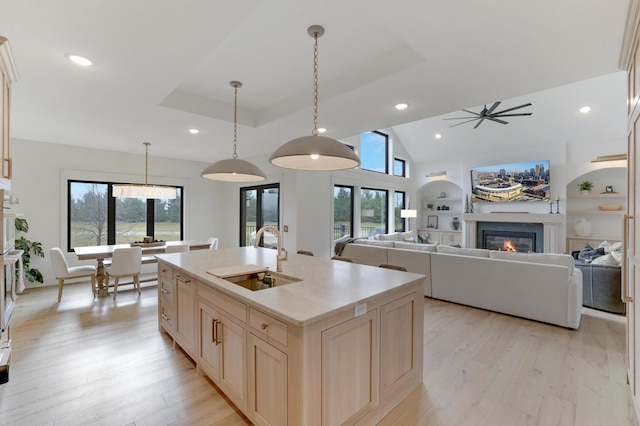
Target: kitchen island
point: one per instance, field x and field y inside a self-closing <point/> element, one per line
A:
<point x="336" y="343"/>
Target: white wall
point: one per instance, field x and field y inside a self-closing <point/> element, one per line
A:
<point x="40" y="171"/>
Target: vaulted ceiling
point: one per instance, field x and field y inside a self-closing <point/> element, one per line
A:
<point x="163" y="66"/>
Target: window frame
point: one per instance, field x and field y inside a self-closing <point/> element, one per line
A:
<point x="111" y="210"/>
<point x="352" y="190"/>
<point x="259" y="219"/>
<point x="386" y="152"/>
<point x="404" y="167"/>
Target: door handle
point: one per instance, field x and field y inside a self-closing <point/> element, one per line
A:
<point x="213" y="330"/>
<point x="626" y="294"/>
<point x="218" y="339"/>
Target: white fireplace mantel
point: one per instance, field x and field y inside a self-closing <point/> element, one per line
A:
<point x="550" y="222"/>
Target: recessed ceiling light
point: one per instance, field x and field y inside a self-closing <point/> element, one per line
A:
<point x="585" y="109"/>
<point x="80" y="60"/>
<point x="401" y="106"/>
<point x="194" y="131"/>
<point x="321" y="130"/>
<point x="438" y="136"/>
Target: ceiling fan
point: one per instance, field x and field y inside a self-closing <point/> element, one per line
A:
<point x="489" y="114"/>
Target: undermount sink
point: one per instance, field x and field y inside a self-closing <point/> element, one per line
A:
<point x="252" y="276"/>
<point x="256" y="281"/>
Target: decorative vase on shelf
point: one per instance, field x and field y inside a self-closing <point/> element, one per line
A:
<point x="455" y="223"/>
<point x="582" y="227"/>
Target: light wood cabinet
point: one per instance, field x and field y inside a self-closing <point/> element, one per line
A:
<point x="279" y="373"/>
<point x="222" y="355"/>
<point x="267" y="383"/>
<point x="350" y="367"/>
<point x="185" y="312"/>
<point x="8" y="76"/>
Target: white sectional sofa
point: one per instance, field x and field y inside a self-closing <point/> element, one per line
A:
<point x="540" y="286"/>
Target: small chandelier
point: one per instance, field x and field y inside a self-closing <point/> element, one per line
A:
<point x="315" y="152"/>
<point x="234" y="169"/>
<point x="144" y="191"/>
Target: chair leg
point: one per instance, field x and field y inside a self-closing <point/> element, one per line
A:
<point x="115" y="287"/>
<point x="136" y="279"/>
<point x="60" y="284"/>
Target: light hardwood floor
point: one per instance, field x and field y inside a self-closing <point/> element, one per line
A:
<point x="104" y="362"/>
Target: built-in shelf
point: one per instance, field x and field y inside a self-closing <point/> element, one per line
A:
<point x="427" y="211"/>
<point x="600" y="195"/>
<point x="596" y="212"/>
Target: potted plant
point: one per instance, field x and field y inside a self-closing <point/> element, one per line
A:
<point x="29" y="248"/>
<point x="585" y="186"/>
<point x="429" y="206"/>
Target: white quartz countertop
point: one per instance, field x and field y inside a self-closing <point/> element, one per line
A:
<point x="327" y="286"/>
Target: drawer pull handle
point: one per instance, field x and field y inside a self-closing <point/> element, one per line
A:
<point x="164" y="291"/>
<point x="217" y="339"/>
<point x="264" y="326"/>
<point x="213" y="330"/>
<point x="164" y="317"/>
<point x="181" y="279"/>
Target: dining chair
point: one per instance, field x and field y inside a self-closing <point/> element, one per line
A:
<point x="125" y="262"/>
<point x="394" y="267"/>
<point x="343" y="259"/>
<point x="213" y="243"/>
<point x="63" y="272"/>
<point x="179" y="248"/>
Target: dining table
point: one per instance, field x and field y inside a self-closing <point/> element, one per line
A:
<point x="100" y="253"/>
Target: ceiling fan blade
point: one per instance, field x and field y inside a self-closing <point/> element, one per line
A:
<point x="479" y="122"/>
<point x="512" y="115"/>
<point x="493" y="107"/>
<point x="511" y="109"/>
<point x="464" y="122"/>
<point x="497" y="120"/>
<point x="460" y="118"/>
<point x="472" y="112"/>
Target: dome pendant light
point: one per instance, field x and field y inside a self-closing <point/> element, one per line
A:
<point x="234" y="169"/>
<point x="315" y="152"/>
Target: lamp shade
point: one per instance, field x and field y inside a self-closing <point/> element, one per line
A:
<point x="143" y="191"/>
<point x="408" y="213"/>
<point x="315" y="153"/>
<point x="233" y="170"/>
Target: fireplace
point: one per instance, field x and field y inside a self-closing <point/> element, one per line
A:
<point x="509" y="241"/>
<point x="507" y="236"/>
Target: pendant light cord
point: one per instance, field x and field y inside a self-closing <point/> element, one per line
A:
<point x="235" y="119"/>
<point x="146" y="161"/>
<point x="315" y="85"/>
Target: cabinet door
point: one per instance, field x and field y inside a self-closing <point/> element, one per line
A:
<point x="267" y="383"/>
<point x="450" y="238"/>
<point x="396" y="344"/>
<point x="185" y="311"/>
<point x="233" y="361"/>
<point x="209" y="357"/>
<point x="349" y="370"/>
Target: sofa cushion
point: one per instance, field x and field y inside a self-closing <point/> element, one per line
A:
<point x="375" y="243"/>
<point x="589" y="253"/>
<point x="559" y="259"/>
<point x="462" y="251"/>
<point x="415" y="246"/>
<point x="607" y="259"/>
<point x="407" y="236"/>
<point x="386" y="237"/>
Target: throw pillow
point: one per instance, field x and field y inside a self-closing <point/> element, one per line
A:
<point x="605" y="260"/>
<point x="589" y="253"/>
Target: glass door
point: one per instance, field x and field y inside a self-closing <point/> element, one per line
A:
<point x="259" y="206"/>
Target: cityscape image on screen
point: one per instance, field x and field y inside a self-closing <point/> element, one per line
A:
<point x="524" y="181"/>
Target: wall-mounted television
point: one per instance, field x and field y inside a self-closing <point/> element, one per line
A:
<point x="512" y="182"/>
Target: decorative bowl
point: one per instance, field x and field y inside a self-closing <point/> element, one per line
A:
<point x="610" y="207"/>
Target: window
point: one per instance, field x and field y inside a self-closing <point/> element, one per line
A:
<point x="374" y="148"/>
<point x="399" y="167"/>
<point x="373" y="204"/>
<point x="97" y="218"/>
<point x="342" y="212"/>
<point x="259" y="206"/>
<point x="399" y="204"/>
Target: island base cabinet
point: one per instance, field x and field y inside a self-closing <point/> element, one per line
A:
<point x="222" y="357"/>
<point x="349" y="368"/>
<point x="185" y="312"/>
<point x="267" y="383"/>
